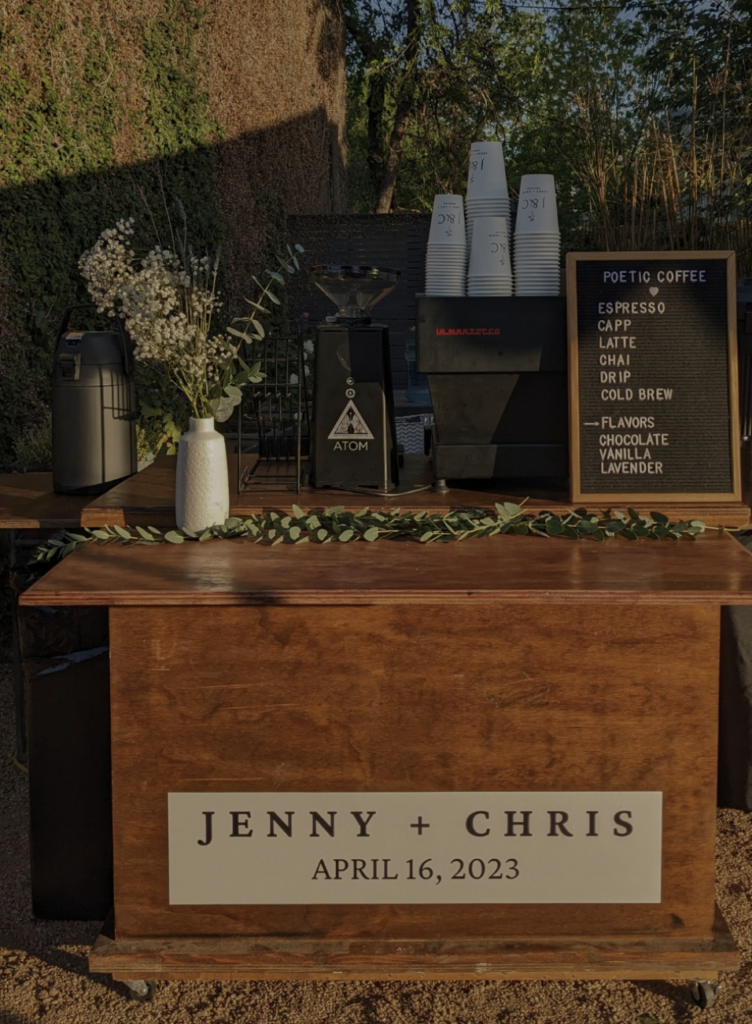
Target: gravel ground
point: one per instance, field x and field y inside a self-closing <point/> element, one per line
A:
<point x="43" y="974"/>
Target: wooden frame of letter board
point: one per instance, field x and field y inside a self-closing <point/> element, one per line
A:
<point x="576" y="493"/>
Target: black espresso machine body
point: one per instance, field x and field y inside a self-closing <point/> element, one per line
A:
<point x="93" y="410"/>
<point x="355" y="441"/>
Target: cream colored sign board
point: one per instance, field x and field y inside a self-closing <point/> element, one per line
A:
<point x="349" y="848"/>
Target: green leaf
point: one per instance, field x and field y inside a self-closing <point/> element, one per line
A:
<point x="173" y="537"/>
<point x="239" y="334"/>
<point x="659" y="517"/>
<point x="275" y="276"/>
<point x="346" y="535"/>
<point x="586" y="526"/>
<point x="124" y="534"/>
<point x="222" y="407"/>
<point x="372" y="533"/>
<point x="322" y="534"/>
<point x="298" y="512"/>
<point x="145" y="534"/>
<point x="554" y="526"/>
<point x="101" y="534"/>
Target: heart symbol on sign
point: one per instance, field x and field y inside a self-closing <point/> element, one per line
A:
<point x="653" y="290"/>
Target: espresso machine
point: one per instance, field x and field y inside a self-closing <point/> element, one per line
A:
<point x="354" y="436"/>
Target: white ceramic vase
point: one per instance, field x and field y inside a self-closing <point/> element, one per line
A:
<point x="202" y="490"/>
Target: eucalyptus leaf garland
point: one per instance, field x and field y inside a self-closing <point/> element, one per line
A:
<point x="324" y="526"/>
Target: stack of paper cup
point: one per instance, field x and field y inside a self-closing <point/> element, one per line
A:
<point x="446" y="254"/>
<point x="487" y="191"/>
<point x="490" y="271"/>
<point x="537" y="242"/>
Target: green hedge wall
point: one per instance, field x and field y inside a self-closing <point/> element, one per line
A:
<point x="103" y="114"/>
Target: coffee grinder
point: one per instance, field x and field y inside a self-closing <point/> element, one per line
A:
<point x="355" y="441"/>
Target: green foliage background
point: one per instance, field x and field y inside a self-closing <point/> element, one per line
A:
<point x="640" y="108"/>
<point x="102" y="115"/>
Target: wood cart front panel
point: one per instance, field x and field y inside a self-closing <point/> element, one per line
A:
<point x="481" y="696"/>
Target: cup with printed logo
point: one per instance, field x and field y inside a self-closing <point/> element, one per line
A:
<point x="486" y="173"/>
<point x="447" y="222"/>
<point x="537" y="211"/>
<point x="489" y="255"/>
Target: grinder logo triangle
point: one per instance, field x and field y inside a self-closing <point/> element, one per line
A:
<point x="351" y="425"/>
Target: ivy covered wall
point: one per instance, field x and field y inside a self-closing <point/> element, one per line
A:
<point x="109" y="109"/>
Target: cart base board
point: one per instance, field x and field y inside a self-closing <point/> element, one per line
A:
<point x="615" y="957"/>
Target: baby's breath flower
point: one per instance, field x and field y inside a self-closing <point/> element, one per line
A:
<point x="166" y="301"/>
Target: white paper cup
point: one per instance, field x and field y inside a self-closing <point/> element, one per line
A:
<point x="486" y="174"/>
<point x="490" y="250"/>
<point x="447" y="221"/>
<point x="488" y="203"/>
<point x="501" y="290"/>
<point x="536" y="208"/>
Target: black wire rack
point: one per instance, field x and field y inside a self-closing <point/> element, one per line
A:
<point x="273" y="419"/>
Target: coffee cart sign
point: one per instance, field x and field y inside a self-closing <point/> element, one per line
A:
<point x="653" y="376"/>
<point x="371" y="848"/>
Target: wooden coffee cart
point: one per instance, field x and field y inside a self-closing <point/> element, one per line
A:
<point x="259" y="695"/>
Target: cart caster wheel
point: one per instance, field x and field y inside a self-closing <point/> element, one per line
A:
<point x="704" y="993"/>
<point x="141" y="991"/>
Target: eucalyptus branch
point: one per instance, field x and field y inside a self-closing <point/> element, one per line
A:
<point x="324" y="526"/>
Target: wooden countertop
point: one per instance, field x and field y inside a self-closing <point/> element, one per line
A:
<point x="148" y="498"/>
<point x="711" y="569"/>
<point x="27" y="502"/>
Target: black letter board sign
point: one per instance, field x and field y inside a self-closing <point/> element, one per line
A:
<point x="654" y="407"/>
